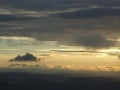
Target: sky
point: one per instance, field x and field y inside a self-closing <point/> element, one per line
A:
<point x="80" y="35"/>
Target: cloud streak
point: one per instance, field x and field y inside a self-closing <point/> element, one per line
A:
<point x="90" y="13"/>
<point x="9" y="17"/>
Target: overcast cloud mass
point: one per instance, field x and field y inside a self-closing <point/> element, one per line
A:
<point x="86" y="23"/>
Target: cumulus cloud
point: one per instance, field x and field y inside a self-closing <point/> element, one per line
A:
<point x="27" y="57"/>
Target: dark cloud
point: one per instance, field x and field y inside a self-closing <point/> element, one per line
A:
<point x="93" y="41"/>
<point x="27" y="57"/>
<point x="37" y="4"/>
<point x="67" y="33"/>
<point x="56" y="4"/>
<point x="10" y="17"/>
<point x="90" y="13"/>
<point x="72" y="29"/>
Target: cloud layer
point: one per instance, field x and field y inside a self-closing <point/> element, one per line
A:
<point x="90" y="13"/>
<point x="53" y="4"/>
<point x="93" y="40"/>
<point x="7" y="17"/>
<point x="86" y="23"/>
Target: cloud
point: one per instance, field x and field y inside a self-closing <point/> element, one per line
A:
<point x="81" y="51"/>
<point x="10" y="17"/>
<point x="16" y="38"/>
<point x="56" y="4"/>
<point x="87" y="40"/>
<point x="27" y="57"/>
<point x="89" y="13"/>
<point x="93" y="41"/>
<point x="34" y="4"/>
<point x="68" y="27"/>
<point x="82" y="67"/>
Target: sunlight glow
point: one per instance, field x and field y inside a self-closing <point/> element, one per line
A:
<point x="112" y="50"/>
<point x="16" y="38"/>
